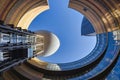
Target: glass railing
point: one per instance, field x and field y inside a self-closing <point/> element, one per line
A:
<point x="115" y="73"/>
<point x="110" y="56"/>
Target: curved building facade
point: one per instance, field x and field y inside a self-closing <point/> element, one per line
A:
<point x="101" y="64"/>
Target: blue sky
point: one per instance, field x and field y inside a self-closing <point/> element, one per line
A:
<point x="65" y="23"/>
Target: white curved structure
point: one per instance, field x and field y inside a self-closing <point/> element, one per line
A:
<point x="51" y="43"/>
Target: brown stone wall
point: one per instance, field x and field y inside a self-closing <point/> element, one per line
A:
<point x="103" y="14"/>
<point x="11" y="11"/>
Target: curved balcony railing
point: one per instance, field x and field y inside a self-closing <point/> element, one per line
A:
<point x="110" y="56"/>
<point x="115" y="73"/>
